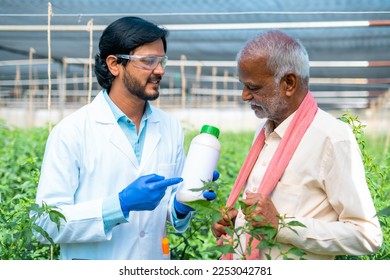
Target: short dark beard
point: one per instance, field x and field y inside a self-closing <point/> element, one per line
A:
<point x="137" y="89"/>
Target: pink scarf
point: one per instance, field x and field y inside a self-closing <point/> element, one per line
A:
<point x="283" y="154"/>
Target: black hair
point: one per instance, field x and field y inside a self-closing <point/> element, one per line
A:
<point x="121" y="37"/>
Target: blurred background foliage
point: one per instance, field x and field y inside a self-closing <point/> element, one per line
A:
<point x="21" y="152"/>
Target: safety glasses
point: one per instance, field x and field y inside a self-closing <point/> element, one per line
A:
<point x="148" y="62"/>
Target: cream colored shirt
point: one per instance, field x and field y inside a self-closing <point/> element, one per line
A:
<point x="324" y="188"/>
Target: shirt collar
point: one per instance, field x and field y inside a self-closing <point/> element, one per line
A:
<point x="148" y="110"/>
<point x="282" y="128"/>
<point x="118" y="112"/>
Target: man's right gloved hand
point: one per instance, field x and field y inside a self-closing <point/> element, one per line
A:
<point x="145" y="193"/>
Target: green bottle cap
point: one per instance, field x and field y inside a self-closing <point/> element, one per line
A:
<point x="210" y="130"/>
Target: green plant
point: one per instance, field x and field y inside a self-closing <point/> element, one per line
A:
<point x="21" y="152"/>
<point x="21" y="156"/>
<point x="212" y="211"/>
<point x="377" y="175"/>
<point x="266" y="237"/>
<point x="193" y="244"/>
<point x="196" y="242"/>
<point x="17" y="238"/>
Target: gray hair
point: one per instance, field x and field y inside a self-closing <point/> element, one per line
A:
<point x="285" y="54"/>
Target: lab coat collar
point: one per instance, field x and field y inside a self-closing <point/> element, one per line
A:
<point x="101" y="111"/>
<point x="103" y="114"/>
<point x="153" y="136"/>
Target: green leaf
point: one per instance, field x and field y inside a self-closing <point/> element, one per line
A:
<point x="258" y="219"/>
<point x="296" y="251"/>
<point x="43" y="233"/>
<point x="295" y="224"/>
<point x="224" y="249"/>
<point x="293" y="230"/>
<point x="242" y="205"/>
<point x="384" y="212"/>
<point x="266" y="230"/>
<point x="229" y="231"/>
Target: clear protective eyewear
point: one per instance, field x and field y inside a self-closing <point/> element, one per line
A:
<point x="148" y="62"/>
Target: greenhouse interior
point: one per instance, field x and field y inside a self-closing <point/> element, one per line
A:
<point x="47" y="56"/>
<point x="348" y="44"/>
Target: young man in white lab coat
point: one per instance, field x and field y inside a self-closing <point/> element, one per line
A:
<point x="113" y="166"/>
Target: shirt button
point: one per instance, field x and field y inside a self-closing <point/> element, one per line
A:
<point x="142" y="234"/>
<point x="264" y="163"/>
<point x="254" y="189"/>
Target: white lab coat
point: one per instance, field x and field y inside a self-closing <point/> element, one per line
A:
<point x="88" y="158"/>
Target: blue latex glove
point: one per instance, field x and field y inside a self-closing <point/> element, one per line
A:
<point x="145" y="193"/>
<point x="183" y="209"/>
<point x="215" y="175"/>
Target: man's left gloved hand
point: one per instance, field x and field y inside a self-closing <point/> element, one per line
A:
<point x="183" y="209"/>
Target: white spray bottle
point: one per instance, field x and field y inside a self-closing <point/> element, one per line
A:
<point x="200" y="164"/>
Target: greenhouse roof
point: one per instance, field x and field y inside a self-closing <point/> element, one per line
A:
<point x="348" y="41"/>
